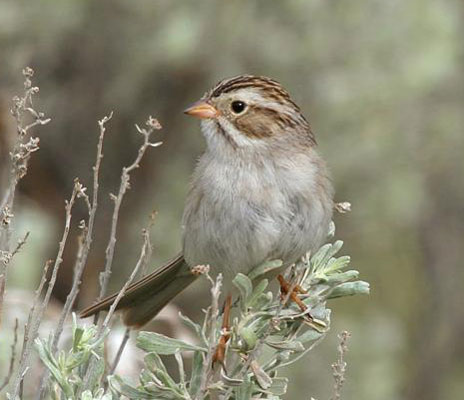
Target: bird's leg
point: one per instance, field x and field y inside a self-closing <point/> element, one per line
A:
<point x="284" y="289"/>
<point x="225" y="333"/>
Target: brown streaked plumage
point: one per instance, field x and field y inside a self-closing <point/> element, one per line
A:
<point x="263" y="121"/>
<point x="259" y="192"/>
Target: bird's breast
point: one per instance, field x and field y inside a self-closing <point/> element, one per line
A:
<point x="238" y="215"/>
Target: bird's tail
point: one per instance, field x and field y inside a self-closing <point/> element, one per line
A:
<point x="146" y="297"/>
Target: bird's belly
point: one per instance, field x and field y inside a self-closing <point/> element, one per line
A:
<point x="234" y="232"/>
<point x="230" y="237"/>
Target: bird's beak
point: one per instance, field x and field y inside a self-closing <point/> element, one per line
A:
<point x="202" y="109"/>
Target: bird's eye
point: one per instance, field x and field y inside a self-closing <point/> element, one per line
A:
<point x="238" y="106"/>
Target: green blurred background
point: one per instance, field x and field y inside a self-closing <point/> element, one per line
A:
<point x="382" y="84"/>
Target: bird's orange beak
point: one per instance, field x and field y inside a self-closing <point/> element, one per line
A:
<point x="202" y="109"/>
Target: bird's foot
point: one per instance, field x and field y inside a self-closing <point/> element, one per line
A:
<point x="297" y="289"/>
<point x="220" y="352"/>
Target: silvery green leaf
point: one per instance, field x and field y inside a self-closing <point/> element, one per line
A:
<point x="278" y="386"/>
<point x="317" y="324"/>
<point x="77" y="334"/>
<point x="180" y="364"/>
<point x="263" y="379"/>
<point x="53" y="366"/>
<point x="331" y="251"/>
<point x="244" y="391"/>
<point x="230" y="381"/>
<point x="264" y="268"/>
<point x="168" y="384"/>
<point x="339" y="263"/>
<point x="258" y="291"/>
<point x="163" y="345"/>
<point x="283" y="355"/>
<point x="146" y="378"/>
<point x="194" y="326"/>
<point x="197" y="369"/>
<point x="87" y="395"/>
<point x="288" y="313"/>
<point x="154" y="363"/>
<point x="342" y="277"/>
<point x="244" y="285"/>
<point x="336" y="264"/>
<point x="309" y="336"/>
<point x="292" y="345"/>
<point x="123" y="387"/>
<point x="350" y="289"/>
<point x="249" y="336"/>
<point x="324" y="254"/>
<point x="98" y="372"/>
<point x="334" y="249"/>
<point x="160" y="376"/>
<point x="316" y="260"/>
<point x="261" y="301"/>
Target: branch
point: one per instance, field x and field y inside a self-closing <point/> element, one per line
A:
<point x="120" y="350"/>
<point x="19" y="159"/>
<point x="339" y="367"/>
<point x="104" y="327"/>
<point x="12" y="357"/>
<point x="212" y="315"/>
<point x="36" y="316"/>
<point x="152" y="125"/>
<point x="84" y="247"/>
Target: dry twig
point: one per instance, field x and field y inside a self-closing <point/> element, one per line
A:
<point x="84" y="247"/>
<point x="213" y="310"/>
<point x="152" y="125"/>
<point x="120" y="350"/>
<point x="19" y="158"/>
<point x="12" y="357"/>
<point x="36" y="315"/>
<point x="339" y="367"/>
<point x="105" y="325"/>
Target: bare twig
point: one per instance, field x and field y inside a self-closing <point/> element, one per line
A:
<point x="22" y="107"/>
<point x="213" y="312"/>
<point x="85" y="241"/>
<point x="120" y="350"/>
<point x="84" y="248"/>
<point x="19" y="158"/>
<point x="140" y="262"/>
<point x="105" y="325"/>
<point x="5" y="259"/>
<point x="38" y="292"/>
<point x="12" y="358"/>
<point x="339" y="367"/>
<point x="31" y="315"/>
<point x="152" y="125"/>
<point x="143" y="269"/>
<point x="36" y="319"/>
<point x="6" y="256"/>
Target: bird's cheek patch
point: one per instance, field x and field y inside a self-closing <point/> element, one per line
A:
<point x="256" y="124"/>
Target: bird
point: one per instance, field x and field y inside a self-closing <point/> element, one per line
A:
<point x="259" y="192"/>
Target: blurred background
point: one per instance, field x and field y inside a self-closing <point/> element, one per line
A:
<point x="382" y="84"/>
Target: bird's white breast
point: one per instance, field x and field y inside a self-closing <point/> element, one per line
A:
<point x="242" y="211"/>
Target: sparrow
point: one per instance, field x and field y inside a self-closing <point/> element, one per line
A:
<point x="259" y="192"/>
